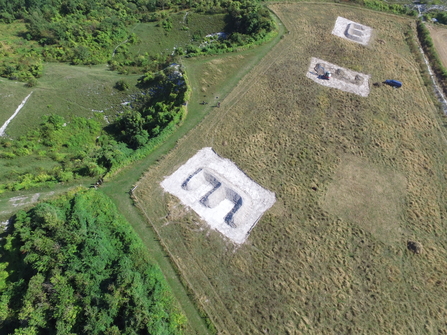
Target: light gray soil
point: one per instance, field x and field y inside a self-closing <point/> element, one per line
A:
<point x="352" y="31"/>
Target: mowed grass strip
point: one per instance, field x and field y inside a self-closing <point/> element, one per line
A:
<point x="311" y="266"/>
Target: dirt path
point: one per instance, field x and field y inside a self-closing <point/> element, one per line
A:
<point x="3" y="128"/>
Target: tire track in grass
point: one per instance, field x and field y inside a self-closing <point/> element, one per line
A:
<point x="3" y="128"/>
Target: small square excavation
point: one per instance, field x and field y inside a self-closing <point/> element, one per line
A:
<point x="220" y="193"/>
<point x="352" y="31"/>
<point x="331" y="75"/>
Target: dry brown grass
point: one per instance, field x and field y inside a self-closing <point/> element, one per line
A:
<point x="363" y="194"/>
<point x="315" y="263"/>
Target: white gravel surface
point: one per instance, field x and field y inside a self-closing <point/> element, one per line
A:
<point x="343" y="28"/>
<point x="347" y="83"/>
<point x="213" y="187"/>
<point x="3" y="128"/>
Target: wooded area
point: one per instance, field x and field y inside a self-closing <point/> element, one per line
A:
<point x="74" y="265"/>
<point x="87" y="32"/>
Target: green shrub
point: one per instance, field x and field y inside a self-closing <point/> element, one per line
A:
<point x="31" y="82"/>
<point x="75" y="265"/>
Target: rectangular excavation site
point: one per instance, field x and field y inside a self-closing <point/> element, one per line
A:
<point x="352" y="31"/>
<point x="341" y="78"/>
<point x="220" y="194"/>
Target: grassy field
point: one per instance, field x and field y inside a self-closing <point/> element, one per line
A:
<point x="153" y="39"/>
<point x="355" y="180"/>
<point x="64" y="90"/>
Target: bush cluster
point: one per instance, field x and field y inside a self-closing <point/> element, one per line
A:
<point x="86" y="32"/>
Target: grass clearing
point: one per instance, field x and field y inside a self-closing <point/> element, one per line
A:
<point x="309" y="267"/>
<point x="65" y="90"/>
<point x="439" y="36"/>
<point x="356" y="180"/>
<point x="153" y="39"/>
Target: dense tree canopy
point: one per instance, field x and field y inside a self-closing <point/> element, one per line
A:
<point x="74" y="266"/>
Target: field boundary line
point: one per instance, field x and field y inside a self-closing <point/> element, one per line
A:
<point x="22" y="104"/>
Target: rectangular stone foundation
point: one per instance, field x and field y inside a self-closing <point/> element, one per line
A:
<point x="352" y="31"/>
<point x="342" y="79"/>
<point x="220" y="193"/>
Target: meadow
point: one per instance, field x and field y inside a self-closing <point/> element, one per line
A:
<point x="356" y="179"/>
<point x="153" y="39"/>
<point x="67" y="91"/>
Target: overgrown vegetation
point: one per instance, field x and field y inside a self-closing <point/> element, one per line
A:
<point x="81" y="147"/>
<point x="73" y="265"/>
<point x="93" y="32"/>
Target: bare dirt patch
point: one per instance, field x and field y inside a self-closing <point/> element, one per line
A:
<point x="369" y="196"/>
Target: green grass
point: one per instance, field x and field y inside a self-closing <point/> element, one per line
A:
<point x="313" y="264"/>
<point x="153" y="39"/>
<point x="65" y="90"/>
<point x="12" y="41"/>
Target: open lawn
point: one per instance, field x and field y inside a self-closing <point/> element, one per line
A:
<point x="355" y="179"/>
